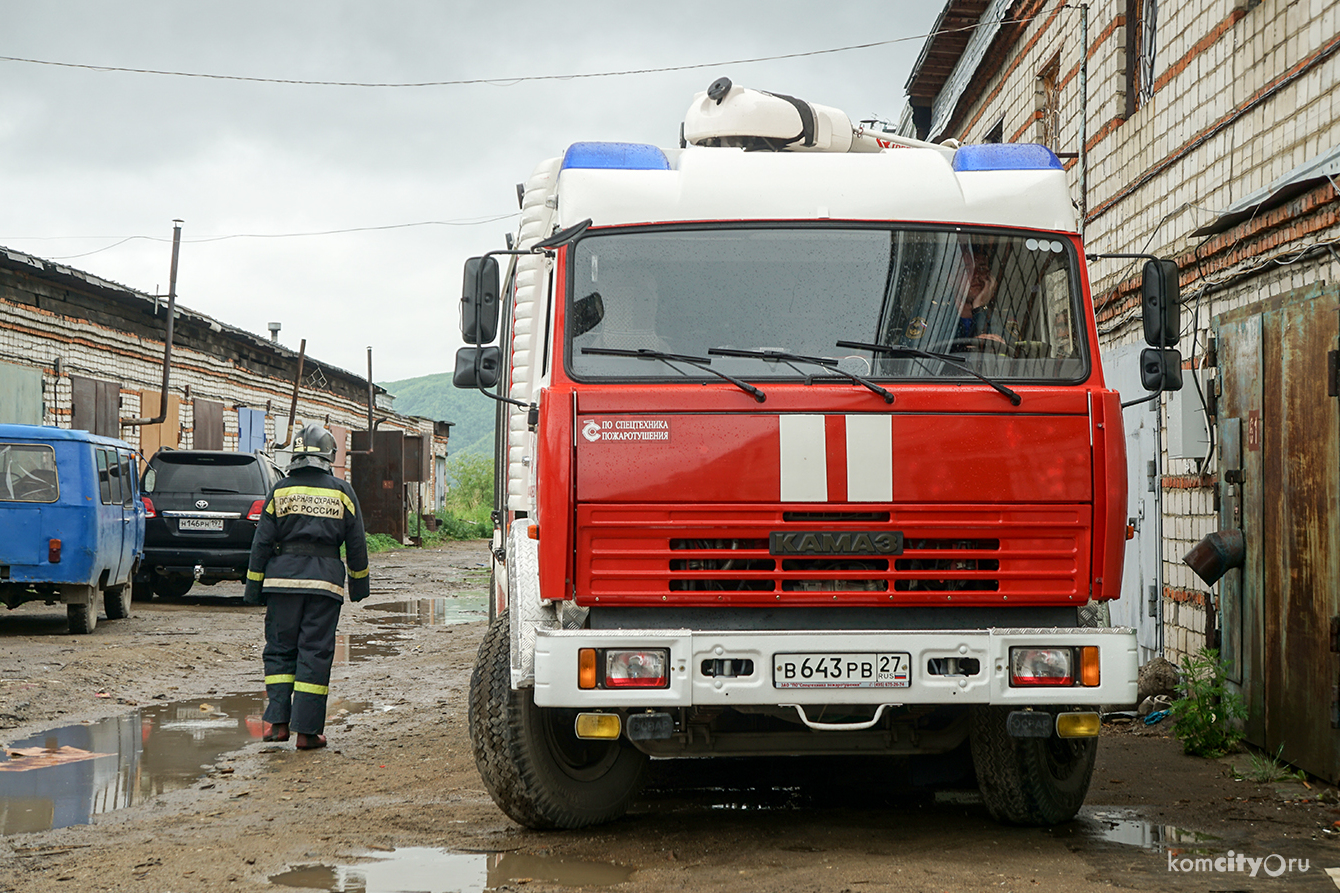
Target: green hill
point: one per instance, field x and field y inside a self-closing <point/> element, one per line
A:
<point x="433" y="397"/>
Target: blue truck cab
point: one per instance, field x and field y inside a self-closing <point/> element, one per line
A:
<point x="71" y="521"/>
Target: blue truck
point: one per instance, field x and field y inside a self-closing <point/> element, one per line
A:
<point x="71" y="521"/>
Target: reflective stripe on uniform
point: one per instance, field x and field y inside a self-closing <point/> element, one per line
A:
<point x="280" y="583"/>
<point x="255" y="575"/>
<point x="311" y="689"/>
<point x="358" y="575"/>
<point x="279" y="679"/>
<point x="319" y="502"/>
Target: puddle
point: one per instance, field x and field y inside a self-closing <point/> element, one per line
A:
<point x="464" y="608"/>
<point x="73" y="773"/>
<point x="426" y="870"/>
<point x="351" y="647"/>
<point x="1128" y="829"/>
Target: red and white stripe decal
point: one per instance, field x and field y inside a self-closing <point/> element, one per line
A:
<point x="836" y="458"/>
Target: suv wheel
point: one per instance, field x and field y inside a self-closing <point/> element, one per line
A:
<point x="172" y="585"/>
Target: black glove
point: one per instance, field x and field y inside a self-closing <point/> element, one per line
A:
<point x="253" y="595"/>
<point x="359" y="588"/>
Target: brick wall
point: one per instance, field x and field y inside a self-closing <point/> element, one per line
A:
<point x="1241" y="96"/>
<point x="47" y="327"/>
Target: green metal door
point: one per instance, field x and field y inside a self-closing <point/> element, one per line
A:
<point x="1279" y="470"/>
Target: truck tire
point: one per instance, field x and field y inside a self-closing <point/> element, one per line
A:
<point x="1029" y="781"/>
<point x="116" y="601"/>
<point x="83" y="618"/>
<point x="533" y="765"/>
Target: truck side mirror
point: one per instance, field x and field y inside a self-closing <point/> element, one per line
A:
<point x="1161" y="303"/>
<point x="477" y="367"/>
<point x="479" y="301"/>
<point x="587" y="313"/>
<point x="1161" y="370"/>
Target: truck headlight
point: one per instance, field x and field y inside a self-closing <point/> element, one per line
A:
<point x="1042" y="666"/>
<point x="637" y="669"/>
<point x="623" y="668"/>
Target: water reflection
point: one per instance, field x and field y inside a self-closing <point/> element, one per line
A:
<point x="466" y="607"/>
<point x="73" y="773"/>
<point x="1129" y="829"/>
<point x="427" y="870"/>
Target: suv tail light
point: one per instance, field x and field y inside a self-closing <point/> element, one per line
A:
<point x="256" y="508"/>
<point x="149" y="511"/>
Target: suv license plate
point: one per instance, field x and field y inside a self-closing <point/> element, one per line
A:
<point x="200" y="524"/>
<point x="842" y="670"/>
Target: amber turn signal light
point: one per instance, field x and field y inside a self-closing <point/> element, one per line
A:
<point x="1089" y="670"/>
<point x="53" y="551"/>
<point x="586" y="668"/>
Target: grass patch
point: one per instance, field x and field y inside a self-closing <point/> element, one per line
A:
<point x="1265" y="768"/>
<point x="381" y="542"/>
<point x="1208" y="715"/>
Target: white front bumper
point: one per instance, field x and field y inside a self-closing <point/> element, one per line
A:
<point x="556" y="667"/>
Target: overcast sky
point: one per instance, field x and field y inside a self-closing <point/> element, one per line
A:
<point x="89" y="158"/>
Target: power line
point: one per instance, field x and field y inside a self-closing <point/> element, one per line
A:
<point x="496" y="82"/>
<point x="121" y="240"/>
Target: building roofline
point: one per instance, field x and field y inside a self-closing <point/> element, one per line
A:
<point x="63" y="275"/>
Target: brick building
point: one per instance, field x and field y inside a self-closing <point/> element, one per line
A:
<point x="77" y="351"/>
<point x="1210" y="132"/>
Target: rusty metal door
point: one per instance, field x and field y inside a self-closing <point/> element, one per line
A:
<point x="206" y="425"/>
<point x="167" y="434"/>
<point x="379" y="482"/>
<point x="1280" y="477"/>
<point x="95" y="406"/>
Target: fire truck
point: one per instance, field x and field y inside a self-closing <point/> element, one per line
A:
<point x="803" y="448"/>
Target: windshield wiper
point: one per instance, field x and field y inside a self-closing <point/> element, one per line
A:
<point x="670" y="359"/>
<point x="918" y="353"/>
<point x="785" y="356"/>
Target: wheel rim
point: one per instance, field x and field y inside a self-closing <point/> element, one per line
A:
<point x="579" y="759"/>
<point x="1065" y="756"/>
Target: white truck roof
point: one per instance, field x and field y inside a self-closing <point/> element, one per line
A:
<point x="1000" y="184"/>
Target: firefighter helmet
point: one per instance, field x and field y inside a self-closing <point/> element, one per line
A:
<point x="314" y="447"/>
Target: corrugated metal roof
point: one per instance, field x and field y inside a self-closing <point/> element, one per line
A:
<point x="132" y="298"/>
<point x="1325" y="166"/>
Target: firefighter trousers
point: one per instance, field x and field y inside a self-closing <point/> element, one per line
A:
<point x="299" y="649"/>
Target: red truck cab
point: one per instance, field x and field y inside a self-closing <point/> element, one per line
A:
<point x="800" y="453"/>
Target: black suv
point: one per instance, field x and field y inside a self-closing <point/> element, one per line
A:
<point x="201" y="508"/>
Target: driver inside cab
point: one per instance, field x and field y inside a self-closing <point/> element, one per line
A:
<point x="977" y="305"/>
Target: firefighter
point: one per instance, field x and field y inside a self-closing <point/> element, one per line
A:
<point x="296" y="572"/>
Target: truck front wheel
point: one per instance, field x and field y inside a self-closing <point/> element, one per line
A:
<point x="1029" y="781"/>
<point x="535" y="767"/>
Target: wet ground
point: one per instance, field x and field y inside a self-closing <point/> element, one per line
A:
<point x="134" y="761"/>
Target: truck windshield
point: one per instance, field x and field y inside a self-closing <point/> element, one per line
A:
<point x="1005" y="304"/>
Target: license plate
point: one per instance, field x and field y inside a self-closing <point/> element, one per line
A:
<point x="200" y="524"/>
<point x="842" y="670"/>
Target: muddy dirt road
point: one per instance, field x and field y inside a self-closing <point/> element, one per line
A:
<point x="188" y="798"/>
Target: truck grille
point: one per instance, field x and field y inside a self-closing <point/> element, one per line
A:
<point x="708" y="555"/>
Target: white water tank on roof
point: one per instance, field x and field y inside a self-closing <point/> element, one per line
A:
<point x="730" y="115"/>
